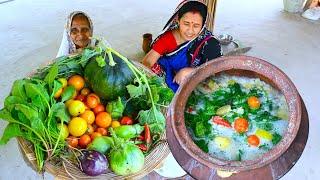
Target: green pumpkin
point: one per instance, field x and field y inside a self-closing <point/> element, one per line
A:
<point x="108" y="82"/>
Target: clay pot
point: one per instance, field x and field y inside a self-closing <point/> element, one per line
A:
<point x="179" y="139"/>
<point x="146" y="43"/>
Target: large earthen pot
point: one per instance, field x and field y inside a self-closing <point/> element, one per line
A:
<point x="180" y="142"/>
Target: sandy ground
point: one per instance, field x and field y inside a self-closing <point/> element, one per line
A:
<point x="30" y="34"/>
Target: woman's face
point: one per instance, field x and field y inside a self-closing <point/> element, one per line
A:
<point x="190" y="25"/>
<point x="80" y="31"/>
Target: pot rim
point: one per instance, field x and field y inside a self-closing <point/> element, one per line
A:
<point x="258" y="67"/>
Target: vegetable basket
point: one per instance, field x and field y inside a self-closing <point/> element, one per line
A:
<point x="65" y="169"/>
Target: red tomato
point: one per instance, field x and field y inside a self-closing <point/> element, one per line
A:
<point x="80" y="97"/>
<point x="94" y="95"/>
<point x="98" y="108"/>
<point x="125" y="120"/>
<point x="91" y="101"/>
<point x="84" y="140"/>
<point x="94" y="135"/>
<point x="72" y="141"/>
<point x="102" y="131"/>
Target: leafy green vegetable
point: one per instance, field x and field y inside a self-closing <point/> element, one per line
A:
<point x="100" y="61"/>
<point x="156" y="123"/>
<point x="276" y="138"/>
<point x="240" y="153"/>
<point x="12" y="130"/>
<point x="115" y="108"/>
<point x="52" y="74"/>
<point x="200" y="129"/>
<point x="68" y="93"/>
<point x="203" y="145"/>
<point x="32" y="113"/>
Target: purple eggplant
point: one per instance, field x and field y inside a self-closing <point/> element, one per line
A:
<point x="93" y="163"/>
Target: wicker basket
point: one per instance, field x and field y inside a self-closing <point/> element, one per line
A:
<point x="68" y="170"/>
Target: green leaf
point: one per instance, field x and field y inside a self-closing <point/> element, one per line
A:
<point x="18" y="89"/>
<point x="276" y="138"/>
<point x="6" y="115"/>
<point x="38" y="103"/>
<point x="202" y="144"/>
<point x="33" y="90"/>
<point x="136" y="91"/>
<point x="52" y="74"/>
<point x="200" y="130"/>
<point x="240" y="153"/>
<point x="166" y="95"/>
<point x="12" y="130"/>
<point x="29" y="112"/>
<point x="56" y="87"/>
<point x="21" y="117"/>
<point x="100" y="60"/>
<point x="86" y="55"/>
<point x="154" y="118"/>
<point x="68" y="93"/>
<point x="37" y="125"/>
<point x="115" y="108"/>
<point x="155" y="94"/>
<point x="157" y="127"/>
<point x="10" y="101"/>
<point x="60" y="111"/>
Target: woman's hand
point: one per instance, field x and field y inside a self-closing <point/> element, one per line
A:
<point x="182" y="74"/>
<point x="151" y="58"/>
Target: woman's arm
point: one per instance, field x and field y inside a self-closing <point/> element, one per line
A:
<point x="151" y="58"/>
<point x="182" y="74"/>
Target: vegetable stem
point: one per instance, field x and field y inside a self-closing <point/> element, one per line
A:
<point x="135" y="70"/>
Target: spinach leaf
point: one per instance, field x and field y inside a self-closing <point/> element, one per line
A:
<point x="18" y="89"/>
<point x="29" y="112"/>
<point x="37" y="102"/>
<point x="265" y="115"/>
<point x="10" y="101"/>
<point x="68" y="93"/>
<point x="12" y="130"/>
<point x="276" y="138"/>
<point x="268" y="126"/>
<point x="60" y="111"/>
<point x="37" y="125"/>
<point x="56" y="87"/>
<point x="240" y="153"/>
<point x="203" y="145"/>
<point x="33" y="90"/>
<point x="264" y="147"/>
<point x="52" y="74"/>
<point x="200" y="130"/>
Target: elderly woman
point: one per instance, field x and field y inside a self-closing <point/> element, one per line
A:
<point x="184" y="44"/>
<point x="77" y="34"/>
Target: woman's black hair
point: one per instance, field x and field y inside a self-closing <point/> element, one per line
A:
<point x="193" y="6"/>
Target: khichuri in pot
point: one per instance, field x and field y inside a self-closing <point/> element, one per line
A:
<point x="236" y="118"/>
